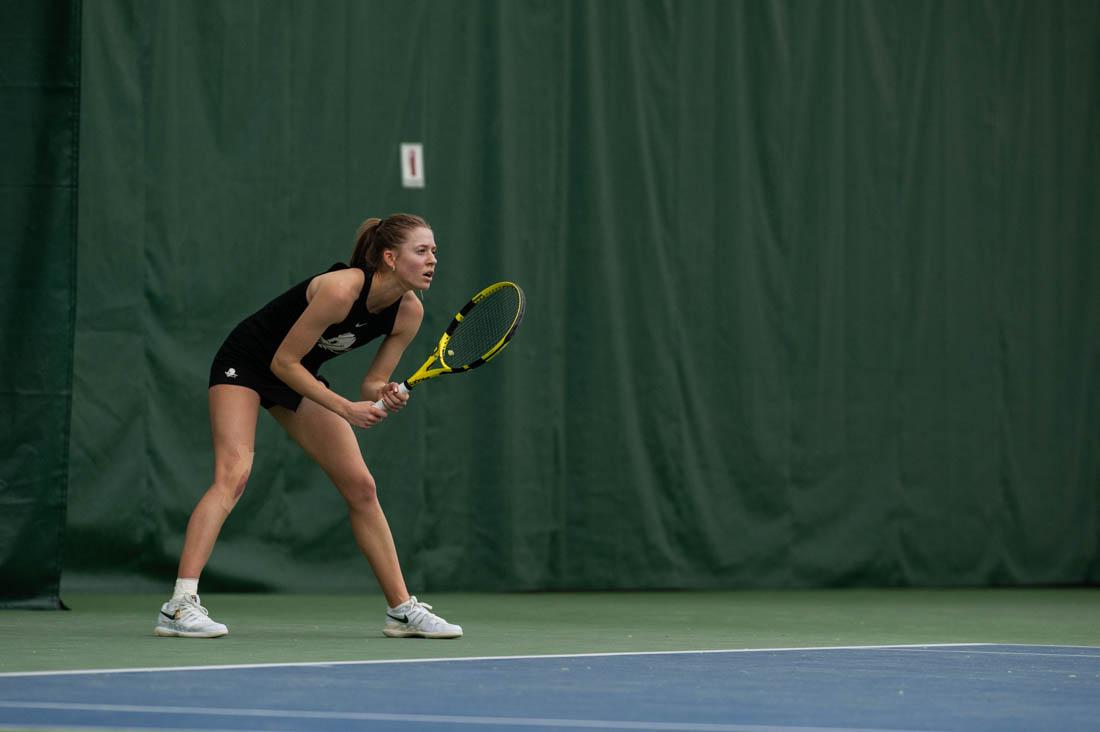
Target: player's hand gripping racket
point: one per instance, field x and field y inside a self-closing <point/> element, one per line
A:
<point x="478" y="332"/>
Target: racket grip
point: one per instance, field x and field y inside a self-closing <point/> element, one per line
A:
<point x="400" y="387"/>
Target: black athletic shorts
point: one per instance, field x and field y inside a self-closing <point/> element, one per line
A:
<point x="233" y="366"/>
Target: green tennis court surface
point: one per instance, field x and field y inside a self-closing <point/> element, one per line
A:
<point x="116" y="631"/>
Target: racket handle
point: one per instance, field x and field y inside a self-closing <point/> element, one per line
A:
<point x="400" y="388"/>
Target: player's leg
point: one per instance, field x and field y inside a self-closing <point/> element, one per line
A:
<point x="233" y="414"/>
<point x="330" y="441"/>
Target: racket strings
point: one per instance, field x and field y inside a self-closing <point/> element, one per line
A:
<point x="483" y="327"/>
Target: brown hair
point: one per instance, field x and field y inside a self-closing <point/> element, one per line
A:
<point x="377" y="235"/>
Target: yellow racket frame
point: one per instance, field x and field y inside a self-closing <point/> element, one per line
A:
<point x="426" y="371"/>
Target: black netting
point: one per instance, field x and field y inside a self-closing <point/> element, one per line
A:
<point x="483" y="327"/>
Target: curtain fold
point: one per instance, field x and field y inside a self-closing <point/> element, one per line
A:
<point x="39" y="121"/>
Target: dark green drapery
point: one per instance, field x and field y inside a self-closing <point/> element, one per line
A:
<point x="39" y="123"/>
<point x="812" y="286"/>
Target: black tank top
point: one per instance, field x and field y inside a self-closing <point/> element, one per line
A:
<point x="259" y="335"/>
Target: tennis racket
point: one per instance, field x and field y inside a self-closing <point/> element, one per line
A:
<point x="476" y="335"/>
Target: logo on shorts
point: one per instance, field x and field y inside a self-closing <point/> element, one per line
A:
<point x="231" y="373"/>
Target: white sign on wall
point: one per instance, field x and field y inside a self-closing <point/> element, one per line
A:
<point x="412" y="165"/>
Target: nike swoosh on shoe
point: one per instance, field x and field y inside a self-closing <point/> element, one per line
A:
<point x="403" y="619"/>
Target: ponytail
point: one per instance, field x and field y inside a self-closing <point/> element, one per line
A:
<point x="377" y="235"/>
<point x="361" y="257"/>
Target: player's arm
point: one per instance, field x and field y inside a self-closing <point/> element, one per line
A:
<point x="376" y="384"/>
<point x="331" y="302"/>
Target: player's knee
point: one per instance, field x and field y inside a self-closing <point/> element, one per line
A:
<point x="232" y="477"/>
<point x="361" y="491"/>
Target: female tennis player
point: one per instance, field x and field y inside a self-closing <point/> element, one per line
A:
<point x="271" y="360"/>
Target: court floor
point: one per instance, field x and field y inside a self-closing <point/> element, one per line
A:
<point x="1004" y="660"/>
<point x="927" y="687"/>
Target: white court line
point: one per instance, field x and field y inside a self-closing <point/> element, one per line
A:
<point x="99" y="728"/>
<point x="435" y="718"/>
<point x="299" y="664"/>
<point x="1016" y="653"/>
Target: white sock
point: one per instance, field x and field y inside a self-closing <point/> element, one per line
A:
<point x="395" y="609"/>
<point x="186" y="586"/>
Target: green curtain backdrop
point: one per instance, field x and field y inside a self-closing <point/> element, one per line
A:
<point x="812" y="287"/>
<point x="39" y="124"/>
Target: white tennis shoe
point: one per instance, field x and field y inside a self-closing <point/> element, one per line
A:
<point x="414" y="619"/>
<point x="184" y="617"/>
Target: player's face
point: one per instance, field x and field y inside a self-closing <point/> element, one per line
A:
<point x="415" y="259"/>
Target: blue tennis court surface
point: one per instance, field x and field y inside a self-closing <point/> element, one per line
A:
<point x="949" y="687"/>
